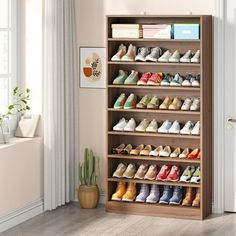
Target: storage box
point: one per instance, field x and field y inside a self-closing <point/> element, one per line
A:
<point x="157" y="31"/>
<point x="186" y="31"/>
<point x="126" y="31"/>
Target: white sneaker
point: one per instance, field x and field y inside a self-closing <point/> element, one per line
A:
<point x="120" y="125"/>
<point x="196" y="81"/>
<point x="177" y="81"/>
<point x="142" y="126"/>
<point x="143" y="194"/>
<point x="187" y="104"/>
<point x="130" y="55"/>
<point x="196" y="57"/>
<point x="156" y="152"/>
<point x="187" y="128"/>
<point x="188" y="81"/>
<point x="195" y="105"/>
<point x="120" y="53"/>
<point x="142" y="53"/>
<point x="154" y="55"/>
<point x="165" y="57"/>
<point x="175" y="128"/>
<point x="196" y="129"/>
<point x="186" y="58"/>
<point x="165" y="152"/>
<point x="130" y="125"/>
<point x="152" y="127"/>
<point x="154" y="194"/>
<point x="175" y="57"/>
<point x="164" y="127"/>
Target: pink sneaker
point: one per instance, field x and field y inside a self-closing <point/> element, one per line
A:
<point x="144" y="79"/>
<point x="155" y="79"/>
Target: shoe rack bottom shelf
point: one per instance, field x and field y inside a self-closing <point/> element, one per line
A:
<point x="154" y="210"/>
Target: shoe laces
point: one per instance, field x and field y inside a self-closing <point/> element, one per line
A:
<point x="130" y="98"/>
<point x="155" y="51"/>
<point x="143" y="51"/>
<point x="173" y="169"/>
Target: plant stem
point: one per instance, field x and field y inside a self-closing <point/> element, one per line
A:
<point x="4" y="138"/>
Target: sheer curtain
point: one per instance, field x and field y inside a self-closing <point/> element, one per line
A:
<point x="60" y="84"/>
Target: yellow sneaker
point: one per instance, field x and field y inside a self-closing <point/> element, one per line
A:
<point x="131" y="192"/>
<point x="165" y="104"/>
<point x="176" y="104"/>
<point x="120" y="191"/>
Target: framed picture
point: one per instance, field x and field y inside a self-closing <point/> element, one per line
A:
<point x="92" y="67"/>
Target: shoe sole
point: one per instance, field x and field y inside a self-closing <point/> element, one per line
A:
<point x="116" y="199"/>
<point x="128" y="200"/>
<point x="175" y="203"/>
<point x="163" y="202"/>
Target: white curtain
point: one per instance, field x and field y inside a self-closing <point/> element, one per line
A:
<point x="60" y="84"/>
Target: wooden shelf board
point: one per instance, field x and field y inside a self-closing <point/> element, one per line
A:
<point x="153" y="63"/>
<point x="155" y="40"/>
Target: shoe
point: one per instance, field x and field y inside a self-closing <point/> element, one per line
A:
<point x="165" y="104"/>
<point x="132" y="79"/>
<point x="143" y="102"/>
<point x="118" y="149"/>
<point x="155" y="79"/>
<point x="196" y="129"/>
<point x="187" y="82"/>
<point x="121" y="77"/>
<point x="196" y="201"/>
<point x="137" y="150"/>
<point x="194" y="154"/>
<point x="151" y="173"/>
<point x="175" y="57"/>
<point x="199" y="155"/>
<point x="177" y="196"/>
<point x="119" y="170"/>
<point x="154" y="103"/>
<point x="142" y="53"/>
<point x="130" y="171"/>
<point x="120" y="125"/>
<point x="120" y="101"/>
<point x="120" y="53"/>
<point x="184" y="154"/>
<point x="144" y="79"/>
<point x="167" y="80"/>
<point x="196" y="81"/>
<point x="188" y="197"/>
<point x="154" y="195"/>
<point x="177" y="81"/>
<point x="175" y="128"/>
<point x="187" y="104"/>
<point x="175" y="153"/>
<point x="165" y="57"/>
<point x="176" y="104"/>
<point x="130" y="55"/>
<point x="187" y="174"/>
<point x="196" y="176"/>
<point x="195" y="105"/>
<point x="165" y="152"/>
<point x="156" y="152"/>
<point x="131" y="101"/>
<point x="143" y="194"/>
<point x="120" y="191"/>
<point x="130" y="193"/>
<point x="164" y="172"/>
<point x="126" y="150"/>
<point x="146" y="151"/>
<point x="142" y="126"/>
<point x="187" y="128"/>
<point x="152" y="127"/>
<point x="166" y="196"/>
<point x="174" y="174"/>
<point x="154" y="55"/>
<point x="186" y="58"/>
<point x="130" y="127"/>
<point x="142" y="170"/>
<point x="196" y="57"/>
<point x="165" y="127"/>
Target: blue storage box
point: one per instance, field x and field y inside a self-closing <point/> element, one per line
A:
<point x="186" y="31"/>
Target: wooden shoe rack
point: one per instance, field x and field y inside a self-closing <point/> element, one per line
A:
<point x="204" y="92"/>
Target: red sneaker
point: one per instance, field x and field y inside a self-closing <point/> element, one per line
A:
<point x="155" y="79"/>
<point x="194" y="154"/>
<point x="174" y="174"/>
<point x="144" y="79"/>
<point x="165" y="170"/>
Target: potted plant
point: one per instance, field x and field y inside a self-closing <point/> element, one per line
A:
<point x="88" y="193"/>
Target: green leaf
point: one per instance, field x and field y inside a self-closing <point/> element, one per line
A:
<point x="11" y="107"/>
<point x="27" y="107"/>
<point x="24" y="101"/>
<point x="27" y="90"/>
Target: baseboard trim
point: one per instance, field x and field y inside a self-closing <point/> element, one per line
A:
<point x="21" y="214"/>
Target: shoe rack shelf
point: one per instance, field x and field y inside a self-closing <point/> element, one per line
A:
<point x="204" y="92"/>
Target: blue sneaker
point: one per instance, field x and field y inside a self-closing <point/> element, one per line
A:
<point x="167" y="79"/>
<point x="167" y="193"/>
<point x="177" y="196"/>
<point x="177" y="81"/>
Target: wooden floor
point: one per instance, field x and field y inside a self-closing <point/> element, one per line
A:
<point x="71" y="220"/>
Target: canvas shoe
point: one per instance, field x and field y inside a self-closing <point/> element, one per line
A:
<point x="167" y="80"/>
<point x="132" y="78"/>
<point x="146" y="151"/>
<point x="143" y="102"/>
<point x="130" y="127"/>
<point x="167" y="194"/>
<point x="144" y="79"/>
<point x="174" y="174"/>
<point x="196" y="81"/>
<point x="120" y="53"/>
<point x="175" y="57"/>
<point x="143" y="194"/>
<point x="127" y="149"/>
<point x="196" y="176"/>
<point x="187" y="81"/>
<point x="130" y="193"/>
<point x="131" y="101"/>
<point x="142" y="170"/>
<point x="196" y="129"/>
<point x="176" y="104"/>
<point x="142" y="126"/>
<point x="142" y="53"/>
<point x="152" y="127"/>
<point x="121" y="77"/>
<point x="137" y="150"/>
<point x="177" y="196"/>
<point x="187" y="104"/>
<point x="196" y="57"/>
<point x="130" y="55"/>
<point x="175" y="128"/>
<point x="188" y="197"/>
<point x="154" y="55"/>
<point x="165" y="152"/>
<point x="186" y="58"/>
<point x="175" y="153"/>
<point x="119" y="170"/>
<point x="120" y="191"/>
<point x="177" y="81"/>
<point x="165" y="57"/>
<point x="165" y="127"/>
<point x="156" y="152"/>
<point x="187" y="128"/>
<point x="194" y="154"/>
<point x="184" y="154"/>
<point x="165" y="104"/>
<point x="164" y="172"/>
<point x="118" y="149"/>
<point x="120" y="102"/>
<point x="195" y="106"/>
<point x="120" y="125"/>
<point x="187" y="174"/>
<point x="196" y="201"/>
<point x="155" y="79"/>
<point x="154" y="103"/>
<point x="154" y="195"/>
<point x="151" y="173"/>
<point x="130" y="171"/>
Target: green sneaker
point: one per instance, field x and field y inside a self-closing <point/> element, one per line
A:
<point x="196" y="176"/>
<point x="120" y="101"/>
<point x="188" y="173"/>
<point x="144" y="102"/>
<point x="131" y="101"/>
<point x="132" y="78"/>
<point x="121" y="77"/>
<point x="154" y="103"/>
